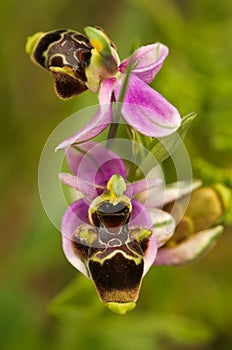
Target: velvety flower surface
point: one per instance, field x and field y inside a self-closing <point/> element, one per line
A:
<point x="94" y="172"/>
<point x="91" y="172"/>
<point x="79" y="62"/>
<point x="167" y="241"/>
<point x="143" y="108"/>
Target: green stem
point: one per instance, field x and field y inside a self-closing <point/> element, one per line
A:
<point x="114" y="125"/>
<point x="113" y="128"/>
<point x="117" y="112"/>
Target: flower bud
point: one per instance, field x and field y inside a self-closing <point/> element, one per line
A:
<point x="205" y="208"/>
<point x="183" y="230"/>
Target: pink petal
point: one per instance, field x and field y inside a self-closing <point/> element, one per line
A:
<point x="140" y="218"/>
<point x="69" y="180"/>
<point x="150" y="254"/>
<point x="106" y="89"/>
<point x="139" y="215"/>
<point x="95" y="126"/>
<point x="75" y="154"/>
<point x="134" y="188"/>
<point x="164" y="226"/>
<point x="157" y="197"/>
<point x="90" y="190"/>
<point x="93" y="164"/>
<point x="100" y="120"/>
<point x="146" y="110"/>
<point x="75" y="215"/>
<point x="146" y="61"/>
<point x="190" y="249"/>
<point x="179" y="189"/>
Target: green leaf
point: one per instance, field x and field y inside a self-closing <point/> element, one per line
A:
<point x="117" y="108"/>
<point x="168" y="144"/>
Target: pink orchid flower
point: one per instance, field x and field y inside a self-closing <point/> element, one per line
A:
<point x="136" y="232"/>
<point x="79" y="62"/>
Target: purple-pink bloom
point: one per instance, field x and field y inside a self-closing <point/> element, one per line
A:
<point x="143" y="108"/>
<point x="148" y="226"/>
<point x="91" y="172"/>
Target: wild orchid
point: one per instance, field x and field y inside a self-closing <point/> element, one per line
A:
<point x="113" y="236"/>
<point x="122" y="222"/>
<point x="79" y="62"/>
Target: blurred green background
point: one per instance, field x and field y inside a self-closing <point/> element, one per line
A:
<point x="179" y="308"/>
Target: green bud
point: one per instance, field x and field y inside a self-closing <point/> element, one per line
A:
<point x="224" y="194"/>
<point x="205" y="208"/>
<point x="183" y="230"/>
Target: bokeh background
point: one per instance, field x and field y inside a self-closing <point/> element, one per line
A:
<point x="179" y="308"/>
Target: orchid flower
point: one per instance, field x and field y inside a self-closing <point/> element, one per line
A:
<point x="107" y="234"/>
<point x="78" y="62"/>
<point x="113" y="235"/>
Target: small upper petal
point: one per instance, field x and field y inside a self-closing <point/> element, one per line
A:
<point x="134" y="188"/>
<point x="164" y="226"/>
<point x="190" y="249"/>
<point x="179" y="189"/>
<point x="75" y="215"/>
<point x="146" y="61"/>
<point x="89" y="189"/>
<point x="160" y="196"/>
<point x="146" y="110"/>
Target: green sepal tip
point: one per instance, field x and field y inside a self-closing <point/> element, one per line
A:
<point x="99" y="40"/>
